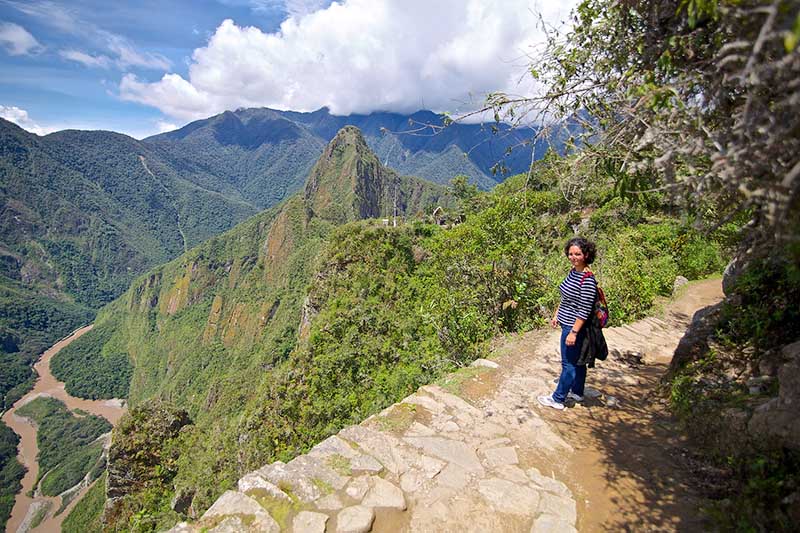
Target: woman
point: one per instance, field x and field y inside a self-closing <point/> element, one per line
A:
<point x="578" y="293"/>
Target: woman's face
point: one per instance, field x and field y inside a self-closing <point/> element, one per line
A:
<point x="575" y="255"/>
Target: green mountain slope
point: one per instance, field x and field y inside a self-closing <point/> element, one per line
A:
<point x="212" y="330"/>
<point x="260" y="157"/>
<point x="304" y="318"/>
<point x="82" y="214"/>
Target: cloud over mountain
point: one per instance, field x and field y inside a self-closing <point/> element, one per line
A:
<point x="359" y="56"/>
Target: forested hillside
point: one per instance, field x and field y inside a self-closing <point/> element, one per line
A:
<point x="84" y="213"/>
<point x="307" y="318"/>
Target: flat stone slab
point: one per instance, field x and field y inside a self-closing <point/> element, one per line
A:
<point x="552" y="524"/>
<point x="355" y="519"/>
<point x="236" y="503"/>
<point x="458" y="406"/>
<point x="366" y="463"/>
<point x="453" y="476"/>
<point x="232" y="502"/>
<point x="508" y="497"/>
<point x="496" y="457"/>
<point x="308" y="522"/>
<point x="253" y="481"/>
<point x="381" y="446"/>
<point x="484" y="363"/>
<point x="560" y="506"/>
<point x="451" y="451"/>
<point x="512" y="473"/>
<point x="384" y="494"/>
<point x="231" y="524"/>
<point x="315" y="468"/>
<point x="547" y="483"/>
<point x="358" y="487"/>
<point x="280" y="474"/>
<point x="331" y="502"/>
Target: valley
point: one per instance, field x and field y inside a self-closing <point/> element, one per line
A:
<point x="25" y="506"/>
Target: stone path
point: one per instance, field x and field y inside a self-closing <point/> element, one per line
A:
<point x="474" y="453"/>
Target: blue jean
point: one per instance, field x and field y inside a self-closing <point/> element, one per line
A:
<point x="573" y="377"/>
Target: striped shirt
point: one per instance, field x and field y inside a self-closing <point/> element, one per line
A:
<point x="577" y="300"/>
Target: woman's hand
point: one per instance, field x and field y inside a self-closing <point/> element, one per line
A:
<point x="554" y="322"/>
<point x="571" y="339"/>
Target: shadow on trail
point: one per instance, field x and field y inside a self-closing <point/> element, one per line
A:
<point x="637" y="447"/>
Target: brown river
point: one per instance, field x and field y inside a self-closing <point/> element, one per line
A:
<point x="47" y="385"/>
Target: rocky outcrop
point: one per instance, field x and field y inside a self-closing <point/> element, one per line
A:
<point x="776" y="422"/>
<point x="694" y="342"/>
<point x="140" y="442"/>
<point x="350" y="183"/>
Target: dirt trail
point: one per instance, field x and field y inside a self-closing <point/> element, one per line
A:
<point x="626" y="469"/>
<point x="47" y="385"/>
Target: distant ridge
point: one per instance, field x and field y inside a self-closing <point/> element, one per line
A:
<point x="415" y="144"/>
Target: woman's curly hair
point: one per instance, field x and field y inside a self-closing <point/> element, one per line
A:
<point x="587" y="247"/>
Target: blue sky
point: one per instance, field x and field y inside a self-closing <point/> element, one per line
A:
<point x="144" y="67"/>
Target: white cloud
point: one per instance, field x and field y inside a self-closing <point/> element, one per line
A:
<point x="164" y="126"/>
<point x="117" y="50"/>
<point x="20" y="117"/>
<point x="128" y="56"/>
<point x="17" y="41"/>
<point x="85" y="59"/>
<point x="301" y="8"/>
<point x="51" y="13"/>
<point x="359" y="56"/>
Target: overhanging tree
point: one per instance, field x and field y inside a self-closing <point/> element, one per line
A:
<point x="696" y="98"/>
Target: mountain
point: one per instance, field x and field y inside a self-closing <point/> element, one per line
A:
<point x="415" y="144"/>
<point x="257" y="155"/>
<point x="82" y="214"/>
<point x="215" y="329"/>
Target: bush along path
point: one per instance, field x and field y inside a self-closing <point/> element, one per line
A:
<point x="475" y="452"/>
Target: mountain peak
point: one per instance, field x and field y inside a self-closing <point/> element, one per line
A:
<point x="349" y="134"/>
<point x="348" y="181"/>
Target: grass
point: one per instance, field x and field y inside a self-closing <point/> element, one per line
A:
<point x="455" y="381"/>
<point x="398" y="418"/>
<point x="340" y="464"/>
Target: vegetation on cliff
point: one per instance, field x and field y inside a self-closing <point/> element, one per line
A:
<point x="95" y="368"/>
<point x="86" y="516"/>
<point x="83" y="214"/>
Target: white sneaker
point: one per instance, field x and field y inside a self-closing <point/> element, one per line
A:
<point x="572" y="396"/>
<point x="548" y="401"/>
